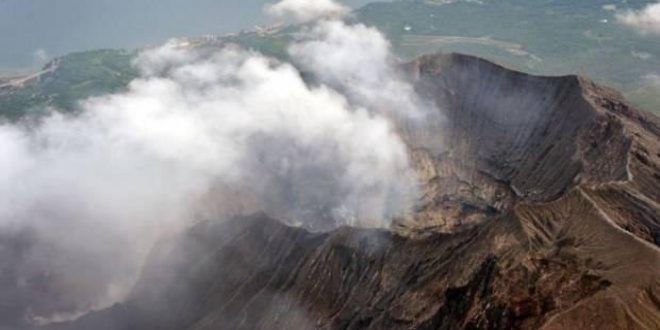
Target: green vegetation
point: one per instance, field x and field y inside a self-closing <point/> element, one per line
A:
<point x="78" y="76"/>
<point x="549" y="37"/>
<point x="270" y="44"/>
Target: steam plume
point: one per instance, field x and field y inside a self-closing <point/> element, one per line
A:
<point x="357" y="60"/>
<point x="198" y="134"/>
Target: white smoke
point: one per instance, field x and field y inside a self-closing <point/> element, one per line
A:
<point x="358" y="61"/>
<point x="198" y="134"/>
<point x="306" y="10"/>
<point x="645" y="20"/>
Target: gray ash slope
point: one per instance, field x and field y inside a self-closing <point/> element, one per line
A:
<point x="541" y="212"/>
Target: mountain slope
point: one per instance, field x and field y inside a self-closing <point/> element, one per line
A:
<point x="539" y="211"/>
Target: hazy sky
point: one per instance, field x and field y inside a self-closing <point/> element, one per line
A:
<point x="62" y="26"/>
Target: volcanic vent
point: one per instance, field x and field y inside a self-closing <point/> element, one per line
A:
<point x="539" y="210"/>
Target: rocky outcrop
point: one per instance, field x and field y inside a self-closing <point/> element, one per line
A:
<point x="540" y="211"/>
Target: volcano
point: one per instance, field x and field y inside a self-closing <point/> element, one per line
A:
<point x="540" y="211"/>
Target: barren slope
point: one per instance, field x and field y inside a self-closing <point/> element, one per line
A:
<point x="539" y="211"/>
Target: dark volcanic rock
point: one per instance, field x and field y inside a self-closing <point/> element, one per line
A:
<point x="540" y="211"/>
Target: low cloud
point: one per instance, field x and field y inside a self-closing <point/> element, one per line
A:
<point x="645" y="20"/>
<point x="306" y="10"/>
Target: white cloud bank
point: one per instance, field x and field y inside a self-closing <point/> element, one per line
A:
<point x="646" y="20"/>
<point x="104" y="183"/>
<point x="306" y="10"/>
<point x="202" y="132"/>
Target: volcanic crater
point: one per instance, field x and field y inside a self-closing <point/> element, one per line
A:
<point x="539" y="211"/>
